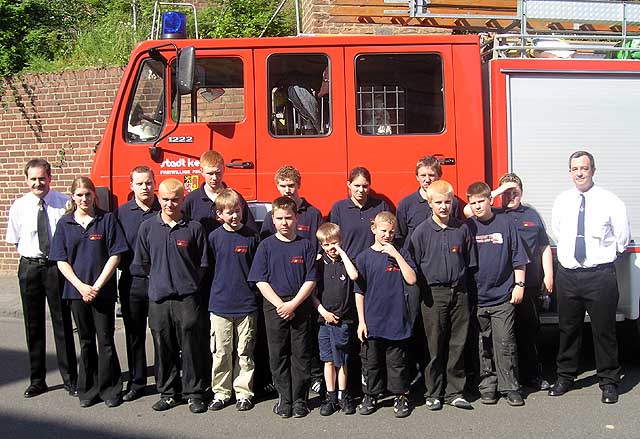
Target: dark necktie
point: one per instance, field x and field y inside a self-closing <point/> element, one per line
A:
<point x="43" y="228"/>
<point x="581" y="250"/>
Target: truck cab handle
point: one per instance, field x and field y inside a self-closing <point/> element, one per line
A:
<point x="240" y="165"/>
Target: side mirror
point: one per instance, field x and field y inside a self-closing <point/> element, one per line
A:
<point x="186" y="64"/>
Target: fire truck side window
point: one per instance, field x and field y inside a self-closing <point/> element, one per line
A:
<point x="299" y="95"/>
<point x="218" y="94"/>
<point x="146" y="113"/>
<point x="399" y="94"/>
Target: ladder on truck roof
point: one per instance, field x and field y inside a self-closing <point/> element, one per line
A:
<point x="541" y="28"/>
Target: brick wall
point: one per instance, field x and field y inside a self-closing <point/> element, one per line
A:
<point x="56" y="116"/>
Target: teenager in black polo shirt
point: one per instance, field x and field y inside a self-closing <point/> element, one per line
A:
<point x="173" y="250"/>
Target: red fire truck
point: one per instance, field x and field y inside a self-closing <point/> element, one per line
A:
<point x="326" y="104"/>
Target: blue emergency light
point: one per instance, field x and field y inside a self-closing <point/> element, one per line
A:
<point x="174" y="25"/>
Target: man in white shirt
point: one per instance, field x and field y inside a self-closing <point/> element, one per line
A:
<point x="32" y="223"/>
<point x="592" y="229"/>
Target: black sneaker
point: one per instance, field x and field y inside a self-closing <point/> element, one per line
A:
<point x="514" y="399"/>
<point x="197" y="405"/>
<point x="165" y="403"/>
<point x="243" y="404"/>
<point x="401" y="406"/>
<point x="367" y="405"/>
<point x="300" y="410"/>
<point x="282" y="411"/>
<point x="328" y="408"/>
<point x="217" y="404"/>
<point x="348" y="405"/>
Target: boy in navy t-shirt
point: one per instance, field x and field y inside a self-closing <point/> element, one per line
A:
<point x="499" y="281"/>
<point x="233" y="305"/>
<point x="444" y="251"/>
<point x="384" y="325"/>
<point x="284" y="270"/>
<point x="334" y="302"/>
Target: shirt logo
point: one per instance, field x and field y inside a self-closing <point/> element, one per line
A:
<point x="391" y="268"/>
<point x="182" y="243"/>
<point x="297" y="260"/>
<point x="529" y="224"/>
<point x="95" y="237"/>
<point x="455" y="249"/>
<point x="494" y="238"/>
<point x="303" y="228"/>
<point x="241" y="249"/>
<point x="342" y="277"/>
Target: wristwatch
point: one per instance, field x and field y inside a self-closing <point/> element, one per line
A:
<point x="520" y="284"/>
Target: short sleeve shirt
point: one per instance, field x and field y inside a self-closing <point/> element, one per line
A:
<point x="233" y="252"/>
<point x="382" y="284"/>
<point x="130" y="216"/>
<point x="335" y="289"/>
<point x="355" y="223"/>
<point x="534" y="235"/>
<point x="443" y="255"/>
<point x="174" y="256"/>
<point x="308" y="221"/>
<point x="285" y="265"/>
<point x="500" y="250"/>
<point x="88" y="250"/>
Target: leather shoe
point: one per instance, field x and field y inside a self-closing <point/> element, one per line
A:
<point x="132" y="395"/>
<point x="35" y="390"/>
<point x="514" y="399"/>
<point x="560" y="388"/>
<point x="72" y="388"/>
<point x="115" y="402"/>
<point x="609" y="394"/>
<point x="84" y="403"/>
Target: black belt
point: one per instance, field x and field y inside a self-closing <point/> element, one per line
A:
<point x="37" y="261"/>
<point x="599" y="267"/>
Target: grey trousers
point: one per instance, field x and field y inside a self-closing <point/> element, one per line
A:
<point x="498" y="350"/>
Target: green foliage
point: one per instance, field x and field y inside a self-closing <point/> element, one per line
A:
<point x="244" y="18"/>
<point x="51" y="35"/>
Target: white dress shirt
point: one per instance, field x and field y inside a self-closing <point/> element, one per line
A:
<point x="22" y="228"/>
<point x="606" y="226"/>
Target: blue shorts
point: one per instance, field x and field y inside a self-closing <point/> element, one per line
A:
<point x="333" y="341"/>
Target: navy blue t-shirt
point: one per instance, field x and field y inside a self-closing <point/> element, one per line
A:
<point x="500" y="250"/>
<point x="309" y="219"/>
<point x="335" y="289"/>
<point x="444" y="255"/>
<point x="233" y="252"/>
<point x="412" y="211"/>
<point x="355" y="223"/>
<point x="380" y="281"/>
<point x="284" y="265"/>
<point x="199" y="207"/>
<point x="88" y="250"/>
<point x="173" y="256"/>
<point x="130" y="216"/>
<point x="534" y="235"/>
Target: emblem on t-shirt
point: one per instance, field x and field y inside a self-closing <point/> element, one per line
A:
<point x="297" y="260"/>
<point x="342" y="277"/>
<point x="303" y="228"/>
<point x="494" y="238"/>
<point x="182" y="243"/>
<point x="392" y="267"/>
<point x="455" y="249"/>
<point x="241" y="249"/>
<point x="528" y="224"/>
<point x="95" y="237"/>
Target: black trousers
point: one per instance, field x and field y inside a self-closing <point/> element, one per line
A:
<point x="594" y="290"/>
<point x="384" y="366"/>
<point x="290" y="352"/>
<point x="527" y="328"/>
<point x="135" y="310"/>
<point x="40" y="283"/>
<point x="177" y="338"/>
<point x="99" y="374"/>
<point x="445" y="313"/>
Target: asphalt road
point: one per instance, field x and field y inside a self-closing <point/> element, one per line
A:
<point x="578" y="414"/>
